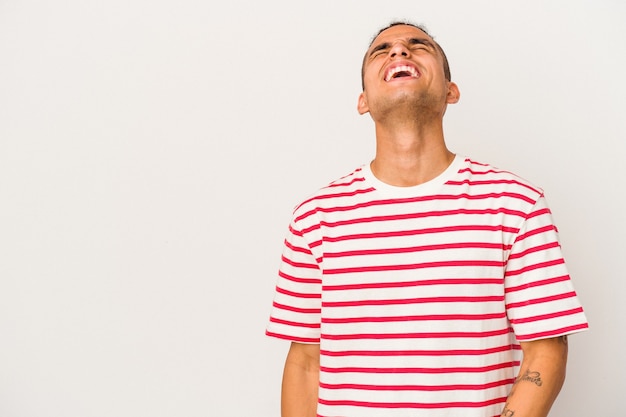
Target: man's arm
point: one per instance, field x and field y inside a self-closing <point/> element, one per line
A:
<point x="541" y="377"/>
<point x="301" y="381"/>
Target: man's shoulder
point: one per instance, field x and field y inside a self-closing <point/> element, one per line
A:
<point x="478" y="173"/>
<point x="341" y="188"/>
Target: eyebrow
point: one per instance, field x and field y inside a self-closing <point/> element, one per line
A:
<point x="422" y="41"/>
<point x="380" y="47"/>
<point x="411" y="41"/>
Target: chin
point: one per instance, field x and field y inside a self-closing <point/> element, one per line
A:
<point x="409" y="100"/>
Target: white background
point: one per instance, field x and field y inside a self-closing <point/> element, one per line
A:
<point x="151" y="153"/>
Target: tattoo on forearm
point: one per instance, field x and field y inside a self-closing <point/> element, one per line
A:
<point x="528" y="375"/>
<point x="507" y="412"/>
<point x="531" y="376"/>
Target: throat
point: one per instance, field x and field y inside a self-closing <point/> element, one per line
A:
<point x="410" y="171"/>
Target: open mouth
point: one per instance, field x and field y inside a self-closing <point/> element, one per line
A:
<point x="401" y="71"/>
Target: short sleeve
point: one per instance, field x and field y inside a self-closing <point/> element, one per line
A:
<point x="296" y="310"/>
<point x="540" y="298"/>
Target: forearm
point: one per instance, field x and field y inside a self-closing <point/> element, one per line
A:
<point x="541" y="377"/>
<point x="300" y="382"/>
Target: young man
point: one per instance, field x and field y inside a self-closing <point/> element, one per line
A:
<point x="412" y="286"/>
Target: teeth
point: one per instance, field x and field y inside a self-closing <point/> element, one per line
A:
<point x="401" y="68"/>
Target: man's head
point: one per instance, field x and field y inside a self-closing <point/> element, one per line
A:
<point x="446" y="65"/>
<point x="406" y="74"/>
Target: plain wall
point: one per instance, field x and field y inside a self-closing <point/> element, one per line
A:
<point x="151" y="153"/>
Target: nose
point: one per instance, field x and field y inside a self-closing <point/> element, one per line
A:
<point x="399" y="49"/>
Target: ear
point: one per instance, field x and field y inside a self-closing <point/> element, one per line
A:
<point x="453" y="93"/>
<point x="362" y="106"/>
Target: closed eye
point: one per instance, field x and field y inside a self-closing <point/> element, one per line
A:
<point x="419" y="43"/>
<point x="378" y="49"/>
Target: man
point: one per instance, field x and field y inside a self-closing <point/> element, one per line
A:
<point x="412" y="286"/>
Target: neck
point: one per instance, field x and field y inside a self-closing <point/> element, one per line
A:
<point x="410" y="153"/>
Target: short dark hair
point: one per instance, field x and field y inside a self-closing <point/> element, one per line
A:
<point x="446" y="65"/>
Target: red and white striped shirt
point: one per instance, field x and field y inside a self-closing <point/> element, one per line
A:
<point x="418" y="296"/>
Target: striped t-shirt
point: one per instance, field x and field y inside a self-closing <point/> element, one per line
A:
<point x="418" y="296"/>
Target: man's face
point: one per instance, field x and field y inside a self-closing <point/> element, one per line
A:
<point x="404" y="65"/>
